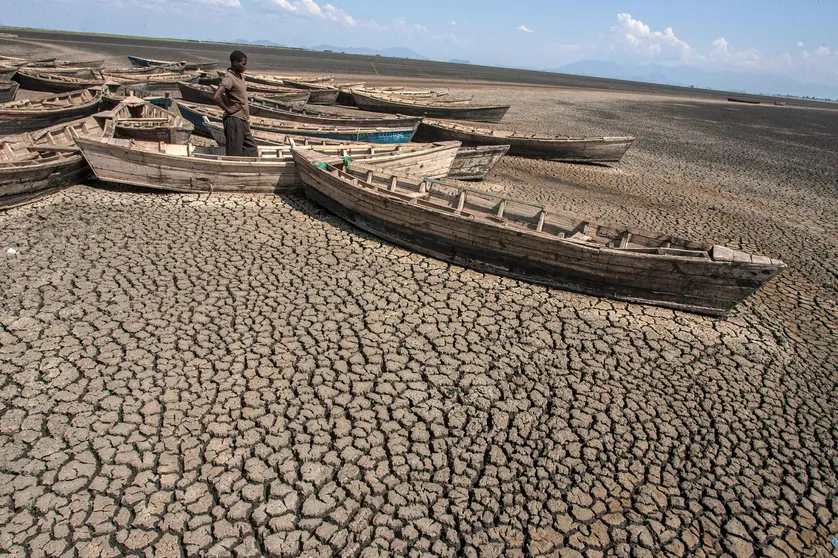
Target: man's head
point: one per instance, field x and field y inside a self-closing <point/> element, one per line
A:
<point x="238" y="61"/>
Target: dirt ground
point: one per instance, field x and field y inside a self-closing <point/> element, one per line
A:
<point x="247" y="375"/>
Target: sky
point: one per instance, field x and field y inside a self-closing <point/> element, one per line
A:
<point x="794" y="40"/>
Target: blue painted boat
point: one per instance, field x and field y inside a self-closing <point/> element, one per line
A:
<point x="369" y="134"/>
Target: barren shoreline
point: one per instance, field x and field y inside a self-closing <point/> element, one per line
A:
<point x="248" y="375"/>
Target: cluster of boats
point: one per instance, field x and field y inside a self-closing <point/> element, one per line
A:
<point x="363" y="167"/>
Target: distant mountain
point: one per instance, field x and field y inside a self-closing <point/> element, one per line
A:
<point x="458" y="61"/>
<point x="396" y="52"/>
<point x="262" y="42"/>
<point x="769" y="84"/>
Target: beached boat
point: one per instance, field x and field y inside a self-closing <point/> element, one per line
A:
<point x="31" y="114"/>
<point x="280" y="80"/>
<point x="155" y="81"/>
<point x="456" y="110"/>
<point x="8" y="90"/>
<point x="136" y="118"/>
<point x="535" y="244"/>
<point x="187" y="168"/>
<point x="58" y="64"/>
<point x="408" y="159"/>
<point x="474" y="163"/>
<point x="14" y="61"/>
<point x="309" y="115"/>
<point x="370" y="134"/>
<point x="7" y="72"/>
<point x="537" y="146"/>
<point x="36" y="164"/>
<point x="744" y="100"/>
<point x="345" y="96"/>
<point x="112" y="98"/>
<point x="196" y="93"/>
<point x="188" y="66"/>
<point x="55" y="83"/>
<point x="174" y="67"/>
<point x="320" y="94"/>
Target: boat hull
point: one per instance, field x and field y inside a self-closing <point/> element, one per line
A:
<point x="584" y="150"/>
<point x="26" y="183"/>
<point x="460" y="112"/>
<point x="474" y="163"/>
<point x="36" y="83"/>
<point x="116" y="163"/>
<point x="700" y="286"/>
<point x="8" y="91"/>
<point x="15" y="121"/>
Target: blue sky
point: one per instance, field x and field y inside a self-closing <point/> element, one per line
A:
<point x="796" y="40"/>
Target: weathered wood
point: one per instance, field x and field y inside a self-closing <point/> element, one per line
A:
<point x="309" y="115"/>
<point x="371" y="134"/>
<point x="196" y="93"/>
<point x="54" y="83"/>
<point x="474" y="163"/>
<point x="438" y="109"/>
<point x="540" y="146"/>
<point x="146" y="62"/>
<point x="8" y="91"/>
<point x="31" y="114"/>
<point x="319" y="94"/>
<point x="503" y="236"/>
<point x="35" y="164"/>
<point x="136" y="118"/>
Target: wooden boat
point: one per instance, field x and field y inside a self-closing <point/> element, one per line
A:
<point x="474" y="163"/>
<point x="173" y="68"/>
<point x="187" y="168"/>
<point x="146" y="62"/>
<point x="279" y="81"/>
<point x="31" y="114"/>
<point x="370" y="134"/>
<point x="309" y="115"/>
<point x="7" y="72"/>
<point x="53" y="83"/>
<point x="17" y="62"/>
<point x="112" y="98"/>
<point x="55" y="65"/>
<point x="319" y="94"/>
<point x="743" y="100"/>
<point x="345" y="96"/>
<point x="537" y="146"/>
<point x="36" y="164"/>
<point x="155" y="81"/>
<point x="215" y="128"/>
<point x="203" y="94"/>
<point x="437" y="109"/>
<point x="135" y="118"/>
<point x="531" y="243"/>
<point x="188" y="66"/>
<point x="8" y="90"/>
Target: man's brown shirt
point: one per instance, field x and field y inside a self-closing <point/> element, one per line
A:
<point x="236" y="90"/>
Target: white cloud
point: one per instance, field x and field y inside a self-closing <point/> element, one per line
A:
<point x="720" y="51"/>
<point x="801" y="44"/>
<point x="310" y="8"/>
<point x="453" y="23"/>
<point x="638" y="38"/>
<point x="524" y="29"/>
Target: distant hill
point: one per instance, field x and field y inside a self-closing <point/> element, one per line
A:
<point x="687" y="76"/>
<point x="458" y="61"/>
<point x="397" y="52"/>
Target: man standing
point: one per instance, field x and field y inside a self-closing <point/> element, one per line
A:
<point x="231" y="95"/>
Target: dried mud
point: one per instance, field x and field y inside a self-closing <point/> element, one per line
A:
<point x="234" y="375"/>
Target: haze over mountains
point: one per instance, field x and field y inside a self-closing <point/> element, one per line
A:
<point x="687" y="76"/>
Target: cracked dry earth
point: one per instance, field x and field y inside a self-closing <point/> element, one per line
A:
<point x="250" y="376"/>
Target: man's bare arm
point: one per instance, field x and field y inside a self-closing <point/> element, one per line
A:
<point x="218" y="98"/>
